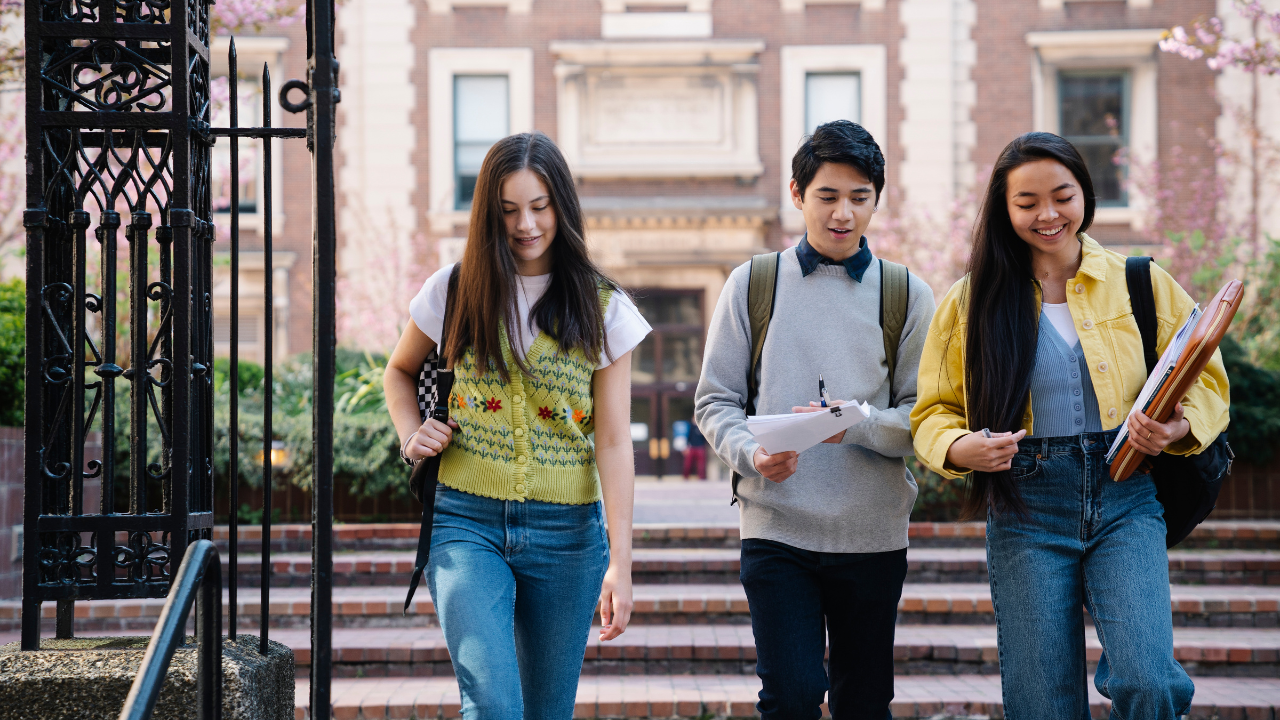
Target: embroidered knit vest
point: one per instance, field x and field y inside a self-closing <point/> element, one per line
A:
<point x="526" y="439"/>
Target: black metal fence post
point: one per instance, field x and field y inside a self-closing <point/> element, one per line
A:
<point x="323" y="81"/>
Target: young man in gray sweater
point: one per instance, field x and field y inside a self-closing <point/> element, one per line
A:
<point x="824" y="533"/>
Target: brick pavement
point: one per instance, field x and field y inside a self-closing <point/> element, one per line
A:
<point x="691" y="696"/>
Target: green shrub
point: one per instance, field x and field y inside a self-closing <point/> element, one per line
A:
<point x="938" y="499"/>
<point x="13" y="334"/>
<point x="1255" y="405"/>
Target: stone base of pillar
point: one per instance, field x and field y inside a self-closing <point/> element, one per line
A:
<point x="89" y="678"/>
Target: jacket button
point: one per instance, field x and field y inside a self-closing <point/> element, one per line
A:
<point x="1088" y="324"/>
<point x="519" y="432"/>
<point x="1111" y="413"/>
<point x="517" y="399"/>
<point x="1102" y="367"/>
<point x="1079" y="287"/>
<point x="520" y="459"/>
<point x="520" y="488"/>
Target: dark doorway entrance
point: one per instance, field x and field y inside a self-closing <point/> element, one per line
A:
<point x="664" y="374"/>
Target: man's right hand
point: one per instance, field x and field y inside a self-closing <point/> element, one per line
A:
<point x="775" y="467"/>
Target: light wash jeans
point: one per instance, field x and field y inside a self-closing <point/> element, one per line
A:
<point x="1092" y="542"/>
<point x="515" y="585"/>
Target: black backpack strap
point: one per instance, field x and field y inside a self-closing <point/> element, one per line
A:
<point x="1137" y="275"/>
<point x="426" y="473"/>
<point x="762" y="295"/>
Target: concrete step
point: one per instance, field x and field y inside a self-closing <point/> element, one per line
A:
<point x="666" y="566"/>
<point x="370" y="537"/>
<point x="701" y="696"/>
<point x="730" y="650"/>
<point x="921" y="604"/>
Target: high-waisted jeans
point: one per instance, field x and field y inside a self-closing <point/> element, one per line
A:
<point x="1087" y="541"/>
<point x="515" y="585"/>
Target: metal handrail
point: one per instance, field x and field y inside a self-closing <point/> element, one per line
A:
<point x="194" y="574"/>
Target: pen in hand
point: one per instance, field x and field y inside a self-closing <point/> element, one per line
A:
<point x="822" y="391"/>
<point x="986" y="432"/>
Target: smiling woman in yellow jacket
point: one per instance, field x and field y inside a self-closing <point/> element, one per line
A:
<point x="1038" y="344"/>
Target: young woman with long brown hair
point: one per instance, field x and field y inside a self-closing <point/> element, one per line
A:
<point x="540" y="344"/>
<point x="1039" y="346"/>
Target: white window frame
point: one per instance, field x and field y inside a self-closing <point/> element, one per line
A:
<point x="800" y="5"/>
<point x="443" y="64"/>
<point x="251" y="53"/>
<point x="1059" y="4"/>
<point x="869" y="61"/>
<point x="1131" y="50"/>
<point x="444" y="7"/>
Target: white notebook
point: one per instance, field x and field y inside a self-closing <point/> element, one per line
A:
<point x="801" y="431"/>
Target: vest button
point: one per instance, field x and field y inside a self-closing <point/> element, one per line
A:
<point x="520" y="487"/>
<point x="1088" y="324"/>
<point x="1079" y="287"/>
<point x="520" y="459"/>
<point x="517" y="399"/>
<point x="519" y="432"/>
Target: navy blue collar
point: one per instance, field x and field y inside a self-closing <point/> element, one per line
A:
<point x="856" y="264"/>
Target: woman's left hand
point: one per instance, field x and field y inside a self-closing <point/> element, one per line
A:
<point x="615" y="601"/>
<point x="1152" y="437"/>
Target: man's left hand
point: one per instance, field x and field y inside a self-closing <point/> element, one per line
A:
<point x="817" y="407"/>
<point x="1152" y="437"/>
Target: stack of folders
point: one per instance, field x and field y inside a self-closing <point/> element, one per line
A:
<point x="1185" y="357"/>
<point x="795" y="432"/>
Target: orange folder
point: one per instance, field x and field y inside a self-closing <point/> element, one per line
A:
<point x="1195" y="357"/>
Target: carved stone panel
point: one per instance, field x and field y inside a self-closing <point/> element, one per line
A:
<point x="661" y="109"/>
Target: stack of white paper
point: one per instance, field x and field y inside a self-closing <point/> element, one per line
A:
<point x="1157" y="378"/>
<point x="800" y="431"/>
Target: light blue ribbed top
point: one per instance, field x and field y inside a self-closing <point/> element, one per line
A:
<point x="1062" y="396"/>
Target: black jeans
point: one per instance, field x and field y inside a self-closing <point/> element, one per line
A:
<point x="797" y="598"/>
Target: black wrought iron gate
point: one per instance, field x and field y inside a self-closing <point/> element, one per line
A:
<point x="119" y="140"/>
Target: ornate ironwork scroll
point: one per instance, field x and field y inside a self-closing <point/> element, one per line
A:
<point x="119" y="314"/>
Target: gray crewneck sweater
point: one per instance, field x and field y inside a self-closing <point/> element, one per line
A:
<point x="854" y="497"/>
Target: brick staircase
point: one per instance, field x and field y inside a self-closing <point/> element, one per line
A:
<point x="689" y="650"/>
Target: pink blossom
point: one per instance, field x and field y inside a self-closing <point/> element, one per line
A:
<point x="232" y="16"/>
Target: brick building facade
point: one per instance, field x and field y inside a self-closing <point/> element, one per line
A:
<point x="679" y="118"/>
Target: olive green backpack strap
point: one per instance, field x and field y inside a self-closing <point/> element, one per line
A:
<point x="895" y="282"/>
<point x="762" y="290"/>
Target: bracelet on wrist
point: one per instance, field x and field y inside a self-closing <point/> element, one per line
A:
<point x="403" y="456"/>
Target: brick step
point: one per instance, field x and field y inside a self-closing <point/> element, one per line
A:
<point x="666" y="566"/>
<point x="367" y="537"/>
<point x="700" y="696"/>
<point x="921" y="604"/>
<point x="730" y="650"/>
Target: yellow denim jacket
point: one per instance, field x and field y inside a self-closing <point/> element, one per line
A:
<point x="1099" y="301"/>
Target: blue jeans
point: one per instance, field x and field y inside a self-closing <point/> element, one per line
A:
<point x="801" y="600"/>
<point x="1087" y="541"/>
<point x="515" y="585"/>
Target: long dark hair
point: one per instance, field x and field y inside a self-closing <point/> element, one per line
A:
<point x="1003" y="318"/>
<point x="570" y="310"/>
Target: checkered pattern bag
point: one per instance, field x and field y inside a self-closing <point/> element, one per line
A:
<point x="427" y="385"/>
<point x="427" y="394"/>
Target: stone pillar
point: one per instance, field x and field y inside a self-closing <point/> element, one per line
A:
<point x="89" y="678"/>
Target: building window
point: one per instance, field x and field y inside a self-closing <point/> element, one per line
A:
<point x="831" y="96"/>
<point x="250" y="115"/>
<point x="480" y="118"/>
<point x="1094" y="116"/>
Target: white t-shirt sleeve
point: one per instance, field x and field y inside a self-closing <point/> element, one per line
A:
<point x="427" y="307"/>
<point x="624" y="327"/>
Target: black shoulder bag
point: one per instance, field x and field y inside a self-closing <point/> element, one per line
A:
<point x="435" y="384"/>
<point x="1187" y="486"/>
